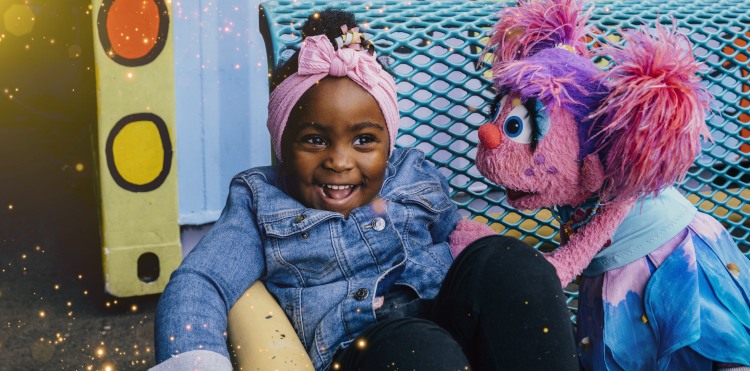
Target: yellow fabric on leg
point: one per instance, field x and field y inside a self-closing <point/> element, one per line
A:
<point x="260" y="335"/>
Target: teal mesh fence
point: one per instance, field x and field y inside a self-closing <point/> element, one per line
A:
<point x="434" y="48"/>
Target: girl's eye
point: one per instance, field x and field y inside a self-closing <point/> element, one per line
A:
<point x="315" y="140"/>
<point x="499" y="108"/>
<point x="363" y="140"/>
<point x="517" y="126"/>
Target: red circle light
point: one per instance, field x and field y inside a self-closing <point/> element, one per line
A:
<point x="133" y="27"/>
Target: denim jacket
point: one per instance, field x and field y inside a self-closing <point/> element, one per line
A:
<point x="324" y="270"/>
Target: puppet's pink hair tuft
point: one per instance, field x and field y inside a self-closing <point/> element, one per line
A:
<point x="655" y="113"/>
<point x="534" y="24"/>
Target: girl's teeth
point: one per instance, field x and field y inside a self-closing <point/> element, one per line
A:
<point x="337" y="187"/>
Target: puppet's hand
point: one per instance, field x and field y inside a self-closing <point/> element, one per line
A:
<point x="571" y="259"/>
<point x="466" y="232"/>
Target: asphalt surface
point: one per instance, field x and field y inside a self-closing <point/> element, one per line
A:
<point x="54" y="314"/>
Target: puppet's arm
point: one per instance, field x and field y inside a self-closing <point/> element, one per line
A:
<point x="466" y="232"/>
<point x="571" y="259"/>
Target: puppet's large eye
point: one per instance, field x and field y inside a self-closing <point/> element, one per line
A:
<point x="499" y="108"/>
<point x="517" y="126"/>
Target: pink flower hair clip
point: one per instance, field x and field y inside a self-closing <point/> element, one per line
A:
<point x="353" y="39"/>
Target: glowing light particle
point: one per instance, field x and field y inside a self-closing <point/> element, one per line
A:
<point x="734" y="269"/>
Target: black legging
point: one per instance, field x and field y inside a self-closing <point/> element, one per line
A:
<point x="500" y="307"/>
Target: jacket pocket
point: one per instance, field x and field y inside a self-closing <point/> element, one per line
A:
<point x="432" y="200"/>
<point x="422" y="210"/>
<point x="309" y="256"/>
<point x="320" y="274"/>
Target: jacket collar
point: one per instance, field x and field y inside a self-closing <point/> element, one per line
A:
<point x="282" y="216"/>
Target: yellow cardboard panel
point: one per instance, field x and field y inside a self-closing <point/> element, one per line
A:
<point x="138" y="170"/>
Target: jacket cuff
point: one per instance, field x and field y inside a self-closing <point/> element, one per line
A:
<point x="195" y="360"/>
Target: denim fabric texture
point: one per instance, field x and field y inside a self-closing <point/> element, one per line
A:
<point x="323" y="269"/>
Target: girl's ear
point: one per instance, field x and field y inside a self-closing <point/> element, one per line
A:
<point x="592" y="173"/>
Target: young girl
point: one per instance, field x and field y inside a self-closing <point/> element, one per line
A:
<point x="351" y="237"/>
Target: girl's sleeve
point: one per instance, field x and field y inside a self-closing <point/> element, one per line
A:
<point x="192" y="311"/>
<point x="446" y="221"/>
<point x="451" y="227"/>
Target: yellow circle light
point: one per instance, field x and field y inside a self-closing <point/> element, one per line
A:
<point x="19" y="20"/>
<point x="138" y="152"/>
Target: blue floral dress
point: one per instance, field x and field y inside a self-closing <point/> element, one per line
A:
<point x="684" y="304"/>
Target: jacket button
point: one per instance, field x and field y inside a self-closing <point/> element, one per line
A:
<point x="397" y="262"/>
<point x="300" y="218"/>
<point x="361" y="294"/>
<point x="378" y="224"/>
<point x="304" y="235"/>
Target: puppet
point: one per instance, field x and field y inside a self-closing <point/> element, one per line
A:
<point x="663" y="287"/>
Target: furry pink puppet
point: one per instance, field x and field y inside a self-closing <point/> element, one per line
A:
<point x="663" y="286"/>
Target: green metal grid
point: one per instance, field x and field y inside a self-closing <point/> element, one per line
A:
<point x="443" y="98"/>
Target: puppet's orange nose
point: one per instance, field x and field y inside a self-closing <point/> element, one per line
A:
<point x="489" y="135"/>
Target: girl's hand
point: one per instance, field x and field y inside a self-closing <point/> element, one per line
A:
<point x="571" y="259"/>
<point x="466" y="232"/>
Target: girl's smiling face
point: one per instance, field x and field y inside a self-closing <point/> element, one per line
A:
<point x="335" y="147"/>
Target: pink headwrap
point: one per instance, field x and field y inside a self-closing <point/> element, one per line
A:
<point x="317" y="59"/>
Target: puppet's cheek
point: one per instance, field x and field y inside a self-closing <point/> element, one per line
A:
<point x="506" y="165"/>
<point x="489" y="163"/>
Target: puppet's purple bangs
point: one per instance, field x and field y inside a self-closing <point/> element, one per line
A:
<point x="558" y="78"/>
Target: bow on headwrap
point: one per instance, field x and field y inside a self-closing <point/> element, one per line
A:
<point x="318" y="59"/>
<point x="317" y="56"/>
